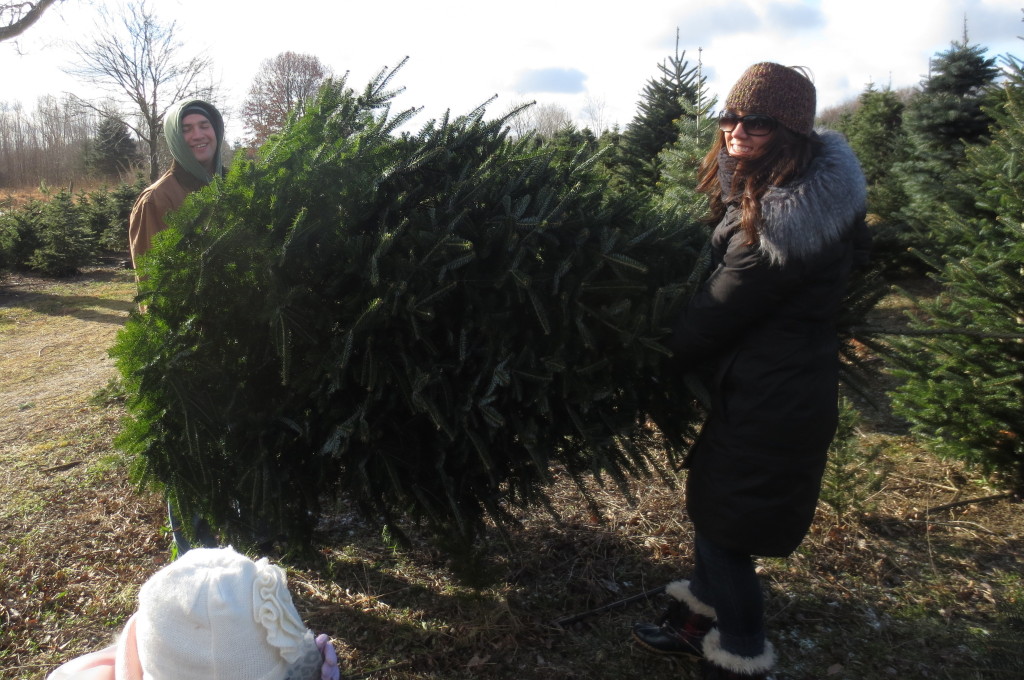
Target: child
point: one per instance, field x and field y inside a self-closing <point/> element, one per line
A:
<point x="212" y="614"/>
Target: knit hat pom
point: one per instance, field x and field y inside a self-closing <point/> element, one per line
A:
<point x="782" y="92"/>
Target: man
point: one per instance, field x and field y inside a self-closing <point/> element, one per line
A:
<point x="194" y="131"/>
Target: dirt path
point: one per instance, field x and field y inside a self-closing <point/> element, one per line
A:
<point x="47" y="375"/>
<point x="54" y="341"/>
<point x="55" y="443"/>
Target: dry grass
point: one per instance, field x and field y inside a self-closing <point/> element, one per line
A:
<point x="884" y="590"/>
<point x="12" y="198"/>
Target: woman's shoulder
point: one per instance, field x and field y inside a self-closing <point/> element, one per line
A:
<point x="818" y="210"/>
<point x="835" y="158"/>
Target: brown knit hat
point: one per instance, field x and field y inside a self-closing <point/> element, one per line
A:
<point x="778" y="91"/>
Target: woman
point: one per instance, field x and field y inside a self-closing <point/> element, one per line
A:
<point x="789" y="205"/>
<point x="212" y="613"/>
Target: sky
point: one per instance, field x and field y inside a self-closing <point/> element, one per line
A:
<point x="592" y="59"/>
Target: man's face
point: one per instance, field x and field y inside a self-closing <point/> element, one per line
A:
<point x="201" y="138"/>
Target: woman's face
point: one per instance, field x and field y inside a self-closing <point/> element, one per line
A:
<point x="740" y="144"/>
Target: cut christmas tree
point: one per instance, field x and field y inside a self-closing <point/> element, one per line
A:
<point x="422" y="324"/>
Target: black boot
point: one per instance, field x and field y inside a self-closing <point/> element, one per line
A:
<point x="682" y="629"/>
<point x="719" y="664"/>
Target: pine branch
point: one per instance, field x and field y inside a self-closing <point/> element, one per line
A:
<point x="880" y="330"/>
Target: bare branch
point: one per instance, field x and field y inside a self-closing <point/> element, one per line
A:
<point x="576" y="618"/>
<point x="961" y="503"/>
<point x="17" y="17"/>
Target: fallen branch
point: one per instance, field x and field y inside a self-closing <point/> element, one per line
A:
<point x="957" y="504"/>
<point x="569" y="620"/>
<point x="62" y="467"/>
<point x="955" y="523"/>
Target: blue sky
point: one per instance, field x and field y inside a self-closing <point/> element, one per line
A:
<point x="578" y="55"/>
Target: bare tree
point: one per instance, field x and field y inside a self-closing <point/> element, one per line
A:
<point x="545" y="120"/>
<point x="16" y="17"/>
<point x="595" y="112"/>
<point x="282" y="85"/>
<point x="141" y="63"/>
<point x="549" y="119"/>
<point x="43" y="145"/>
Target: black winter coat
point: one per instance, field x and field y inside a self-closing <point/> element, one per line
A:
<point x="764" y="321"/>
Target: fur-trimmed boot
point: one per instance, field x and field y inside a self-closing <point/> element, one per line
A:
<point x="719" y="664"/>
<point x="682" y="628"/>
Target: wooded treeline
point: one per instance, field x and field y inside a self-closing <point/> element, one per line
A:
<point x="45" y="145"/>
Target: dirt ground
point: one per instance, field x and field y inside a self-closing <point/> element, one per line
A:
<point x="65" y="506"/>
<point x="887" y="586"/>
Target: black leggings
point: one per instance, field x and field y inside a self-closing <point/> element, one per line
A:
<point x="726" y="580"/>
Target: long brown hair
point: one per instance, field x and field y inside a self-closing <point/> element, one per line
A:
<point x="786" y="156"/>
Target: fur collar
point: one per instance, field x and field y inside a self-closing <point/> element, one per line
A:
<point x="813" y="213"/>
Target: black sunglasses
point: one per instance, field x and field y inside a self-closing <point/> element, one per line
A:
<point x="755" y="124"/>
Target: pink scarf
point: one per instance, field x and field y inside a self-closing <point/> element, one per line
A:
<point x="121" y="661"/>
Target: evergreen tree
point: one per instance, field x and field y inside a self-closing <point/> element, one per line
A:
<point x="65" y="242"/>
<point x="425" y="324"/>
<point x="655" y="125"/>
<point x="609" y="146"/>
<point x="944" y="118"/>
<point x="106" y="212"/>
<point x="876" y="134"/>
<point x="964" y="386"/>
<point x="113" y="152"/>
<point x="679" y="163"/>
<point x="569" y="139"/>
<point x="19" y="234"/>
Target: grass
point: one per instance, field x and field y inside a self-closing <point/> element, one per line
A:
<point x="882" y="588"/>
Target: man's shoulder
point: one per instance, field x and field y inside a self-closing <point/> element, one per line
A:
<point x="162" y="181"/>
<point x="165" y="189"/>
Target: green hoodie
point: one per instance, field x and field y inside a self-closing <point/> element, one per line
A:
<point x="176" y="140"/>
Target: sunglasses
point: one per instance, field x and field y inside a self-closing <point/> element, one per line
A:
<point x="755" y="124"/>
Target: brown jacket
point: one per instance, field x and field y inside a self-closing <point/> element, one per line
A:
<point x="153" y="204"/>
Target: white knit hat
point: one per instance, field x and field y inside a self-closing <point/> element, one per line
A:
<point x="214" y="614"/>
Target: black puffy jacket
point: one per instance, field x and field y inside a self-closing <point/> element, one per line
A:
<point x="764" y="321"/>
